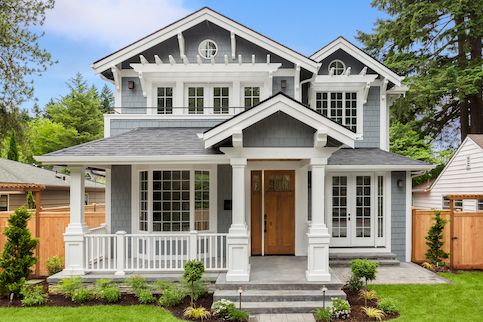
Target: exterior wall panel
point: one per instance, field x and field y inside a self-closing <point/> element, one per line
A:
<point x="398" y="215"/>
<point x="119" y="126"/>
<point x="224" y="193"/>
<point x="371" y="119"/>
<point x="121" y="198"/>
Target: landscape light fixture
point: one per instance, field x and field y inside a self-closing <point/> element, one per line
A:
<point x="240" y="291"/>
<point x="324" y="290"/>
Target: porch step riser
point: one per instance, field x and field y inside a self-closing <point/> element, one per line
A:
<point x="295" y="298"/>
<point x="276" y="286"/>
<point x="282" y="307"/>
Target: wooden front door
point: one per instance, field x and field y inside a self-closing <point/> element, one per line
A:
<point x="277" y="226"/>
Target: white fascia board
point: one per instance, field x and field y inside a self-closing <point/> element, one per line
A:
<point x="341" y="43"/>
<point x="264" y="110"/>
<point x="345" y="79"/>
<point x="391" y="167"/>
<point x="398" y="90"/>
<point x="194" y="19"/>
<point x="211" y="68"/>
<point x="205" y="117"/>
<point x="131" y="159"/>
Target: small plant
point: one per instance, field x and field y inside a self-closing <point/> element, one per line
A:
<point x="18" y="253"/>
<point x="193" y="273"/>
<point x="81" y="295"/>
<point x="428" y="266"/>
<point x="237" y="315"/>
<point x="136" y="282"/>
<point x="222" y="308"/>
<point x="355" y="284"/>
<point x="54" y="264"/>
<point x="33" y="295"/>
<point x="171" y="296"/>
<point x="322" y="314"/>
<point x="364" y="268"/>
<point x="373" y="313"/>
<point x="197" y="313"/>
<point x="388" y="306"/>
<point x="197" y="288"/>
<point x="434" y="240"/>
<point x="367" y="295"/>
<point x="162" y="284"/>
<point x="340" y="309"/>
<point x="68" y="286"/>
<point x="145" y="296"/>
<point x="107" y="291"/>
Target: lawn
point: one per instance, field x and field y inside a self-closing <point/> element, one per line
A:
<point x="462" y="300"/>
<point x="109" y="313"/>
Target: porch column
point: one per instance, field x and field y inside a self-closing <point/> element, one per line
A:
<point x="318" y="235"/>
<point x="238" y="237"/>
<point x="75" y="231"/>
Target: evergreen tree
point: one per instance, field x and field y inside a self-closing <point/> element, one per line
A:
<point x="46" y="136"/>
<point x="107" y="99"/>
<point x="437" y="45"/>
<point x="12" y="153"/>
<point x="18" y="253"/>
<point x="434" y="240"/>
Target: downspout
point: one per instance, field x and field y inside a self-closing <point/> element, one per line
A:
<point x="309" y="80"/>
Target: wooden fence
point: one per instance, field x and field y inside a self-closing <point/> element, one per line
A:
<point x="463" y="237"/>
<point x="52" y="224"/>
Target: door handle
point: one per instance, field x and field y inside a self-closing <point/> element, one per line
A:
<point x="265" y="223"/>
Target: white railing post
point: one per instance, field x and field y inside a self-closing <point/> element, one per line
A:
<point x="193" y="245"/>
<point x="120" y="252"/>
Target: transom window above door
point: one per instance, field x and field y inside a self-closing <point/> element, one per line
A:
<point x="338" y="106"/>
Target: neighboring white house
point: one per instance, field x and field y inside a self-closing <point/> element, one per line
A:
<point x="224" y="144"/>
<point x="462" y="175"/>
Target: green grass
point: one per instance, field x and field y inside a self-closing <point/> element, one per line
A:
<point x="107" y="313"/>
<point x="462" y="300"/>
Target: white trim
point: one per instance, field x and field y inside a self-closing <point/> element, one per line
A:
<point x="392" y="167"/>
<point x="107" y="198"/>
<point x="130" y="159"/>
<point x="336" y="61"/>
<point x="357" y="53"/>
<point x="383" y="119"/>
<point x="279" y="153"/>
<point x="191" y="21"/>
<point x="269" y="107"/>
<point x="207" y="41"/>
<point x="409" y="217"/>
<point x="245" y="68"/>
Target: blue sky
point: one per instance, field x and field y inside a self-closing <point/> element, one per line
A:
<point x="79" y="32"/>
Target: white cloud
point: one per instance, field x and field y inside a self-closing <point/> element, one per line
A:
<point x="114" y="23"/>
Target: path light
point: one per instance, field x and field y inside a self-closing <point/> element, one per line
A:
<point x="240" y="291"/>
<point x="324" y="289"/>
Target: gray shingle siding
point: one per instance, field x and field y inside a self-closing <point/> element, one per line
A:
<point x="132" y="99"/>
<point x="371" y="118"/>
<point x="224" y="193"/>
<point x="398" y="215"/>
<point x="121" y="198"/>
<point x="119" y="126"/>
<point x="278" y="130"/>
<point x="277" y="85"/>
<point x="349" y="61"/>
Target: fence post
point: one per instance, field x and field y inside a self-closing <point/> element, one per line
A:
<point x="193" y="244"/>
<point x="120" y="252"/>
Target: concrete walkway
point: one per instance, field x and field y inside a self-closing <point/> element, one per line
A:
<point x="306" y="317"/>
<point x="406" y="273"/>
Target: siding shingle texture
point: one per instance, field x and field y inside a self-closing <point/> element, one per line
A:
<point x="121" y="198"/>
<point x="398" y="215"/>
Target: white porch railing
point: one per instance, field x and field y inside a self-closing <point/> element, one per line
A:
<point x="123" y="252"/>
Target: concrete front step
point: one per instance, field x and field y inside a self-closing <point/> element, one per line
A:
<point x="283" y="307"/>
<point x="277" y="295"/>
<point x="278" y="286"/>
<point x="344" y="259"/>
<point x="381" y="262"/>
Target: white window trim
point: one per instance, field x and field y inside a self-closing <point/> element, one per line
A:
<point x="216" y="49"/>
<point x="208" y="99"/>
<point x="8" y="200"/>
<point x="242" y="92"/>
<point x="153" y="107"/>
<point x="336" y="61"/>
<point x="136" y="169"/>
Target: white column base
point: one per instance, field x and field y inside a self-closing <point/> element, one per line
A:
<point x="318" y="255"/>
<point x="74" y="249"/>
<point x="238" y="254"/>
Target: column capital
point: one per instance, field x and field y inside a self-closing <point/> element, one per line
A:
<point x="238" y="162"/>
<point x="318" y="162"/>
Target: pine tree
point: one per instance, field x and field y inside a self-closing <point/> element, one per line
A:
<point x="107" y="99"/>
<point x="434" y="240"/>
<point x="18" y="253"/>
<point x="12" y="152"/>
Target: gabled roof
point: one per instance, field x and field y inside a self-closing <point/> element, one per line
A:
<point x="193" y="19"/>
<point x="345" y="45"/>
<point x="286" y="104"/>
<point x="21" y="173"/>
<point x="477" y="138"/>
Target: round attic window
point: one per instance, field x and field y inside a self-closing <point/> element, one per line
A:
<point x="208" y="49"/>
<point x="338" y="65"/>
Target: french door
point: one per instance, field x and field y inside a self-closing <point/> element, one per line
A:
<point x="352" y="209"/>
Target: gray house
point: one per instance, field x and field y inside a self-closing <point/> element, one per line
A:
<point x="224" y="145"/>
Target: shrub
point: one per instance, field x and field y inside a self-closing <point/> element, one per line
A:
<point x="388" y="306"/>
<point x="355" y="283"/>
<point x="237" y="315"/>
<point x="197" y="289"/>
<point x="434" y="240"/>
<point x="322" y="314"/>
<point x="162" y="284"/>
<point x="33" y="295"/>
<point x="81" y="295"/>
<point x="222" y="307"/>
<point x="367" y="295"/>
<point x="373" y="313"/>
<point x="54" y="264"/>
<point x="145" y="296"/>
<point x="340" y="309"/>
<point x="193" y="273"/>
<point x="197" y="313"/>
<point x="18" y="253"/>
<point x="136" y="282"/>
<point x="171" y="296"/>
<point x="428" y="266"/>
<point x="364" y="268"/>
<point x="68" y="286"/>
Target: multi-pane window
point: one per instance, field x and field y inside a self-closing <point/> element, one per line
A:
<point x="208" y="49"/>
<point x="338" y="67"/>
<point x="165" y="100"/>
<point x="251" y="96"/>
<point x="363" y="206"/>
<point x="458" y="204"/>
<point x="195" y="100"/>
<point x="143" y="201"/>
<point x="3" y="202"/>
<point x="339" y="206"/>
<point x="202" y="200"/>
<point x="339" y="106"/>
<point x="380" y="206"/>
<point x="220" y="100"/>
<point x="171" y="200"/>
